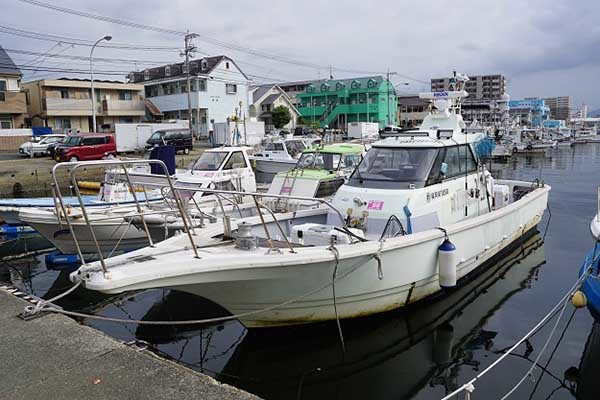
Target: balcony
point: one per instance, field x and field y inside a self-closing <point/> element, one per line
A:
<point x="67" y="107"/>
<point x="13" y="103"/>
<point x="113" y="108"/>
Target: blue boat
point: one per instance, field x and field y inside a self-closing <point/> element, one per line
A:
<point x="591" y="286"/>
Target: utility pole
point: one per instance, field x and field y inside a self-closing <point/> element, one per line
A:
<point x="189" y="48"/>
<point x="388" y="96"/>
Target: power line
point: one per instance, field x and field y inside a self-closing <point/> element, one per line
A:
<point x="81" y="42"/>
<point x="85" y="58"/>
<point x="221" y="43"/>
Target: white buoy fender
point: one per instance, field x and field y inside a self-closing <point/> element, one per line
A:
<point x="447" y="264"/>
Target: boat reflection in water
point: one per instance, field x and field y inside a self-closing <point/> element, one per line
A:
<point x="392" y="355"/>
<point x="586" y="376"/>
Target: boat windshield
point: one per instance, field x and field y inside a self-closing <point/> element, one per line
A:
<point x="328" y="161"/>
<point x="210" y="161"/>
<point x="386" y="166"/>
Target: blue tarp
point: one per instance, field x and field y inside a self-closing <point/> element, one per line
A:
<point x="41" y="130"/>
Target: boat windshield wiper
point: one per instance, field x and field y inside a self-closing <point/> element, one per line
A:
<point x="358" y="175"/>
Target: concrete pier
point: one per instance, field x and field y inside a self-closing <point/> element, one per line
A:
<point x="54" y="357"/>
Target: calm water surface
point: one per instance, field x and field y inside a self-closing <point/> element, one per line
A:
<point x="422" y="352"/>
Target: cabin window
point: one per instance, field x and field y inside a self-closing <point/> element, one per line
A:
<point x="294" y="148"/>
<point x="236" y="160"/>
<point x="329" y="187"/>
<point x="274" y="147"/>
<point x="460" y="161"/>
<point x="327" y="161"/>
<point x="386" y="167"/>
<point x="210" y="161"/>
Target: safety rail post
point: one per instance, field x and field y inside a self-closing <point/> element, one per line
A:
<point x="598" y="206"/>
<point x="279" y="227"/>
<point x="262" y="221"/>
<point x="61" y="201"/>
<point x="137" y="205"/>
<point x="87" y="220"/>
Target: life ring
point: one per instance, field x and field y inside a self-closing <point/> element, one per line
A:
<point x="529" y="147"/>
<point x="514" y="150"/>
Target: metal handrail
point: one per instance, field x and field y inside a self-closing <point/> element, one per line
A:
<point x="72" y="168"/>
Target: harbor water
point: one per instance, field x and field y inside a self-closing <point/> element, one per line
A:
<point x="421" y="352"/>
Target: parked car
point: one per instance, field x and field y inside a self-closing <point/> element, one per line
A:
<point x="85" y="148"/>
<point x="39" y="147"/>
<point x="181" y="139"/>
<point x="303" y="131"/>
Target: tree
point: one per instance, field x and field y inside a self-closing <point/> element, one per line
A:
<point x="281" y="116"/>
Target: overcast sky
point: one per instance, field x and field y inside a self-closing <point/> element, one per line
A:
<point x="544" y="47"/>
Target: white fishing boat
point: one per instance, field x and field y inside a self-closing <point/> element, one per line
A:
<point x="280" y="155"/>
<point x="418" y="216"/>
<point x="114" y="227"/>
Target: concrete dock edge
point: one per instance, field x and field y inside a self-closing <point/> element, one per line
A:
<point x="54" y="357"/>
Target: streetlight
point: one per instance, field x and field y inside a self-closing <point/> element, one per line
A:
<point x="108" y="39"/>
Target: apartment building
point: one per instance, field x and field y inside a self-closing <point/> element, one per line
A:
<point x="337" y="102"/>
<point x="412" y="110"/>
<point x="484" y="93"/>
<point x="560" y="107"/>
<point x="64" y="104"/>
<point x="218" y="91"/>
<point x="13" y="103"/>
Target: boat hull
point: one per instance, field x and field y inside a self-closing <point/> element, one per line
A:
<point x="273" y="166"/>
<point x="255" y="281"/>
<point x="118" y="236"/>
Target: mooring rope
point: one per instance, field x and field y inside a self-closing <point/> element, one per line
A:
<point x="336" y="254"/>
<point x="469" y="386"/>
<point x="48" y="306"/>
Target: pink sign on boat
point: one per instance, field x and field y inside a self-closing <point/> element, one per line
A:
<point x="286" y="189"/>
<point x="375" y="205"/>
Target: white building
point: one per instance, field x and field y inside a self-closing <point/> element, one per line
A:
<point x="219" y="90"/>
<point x="265" y="98"/>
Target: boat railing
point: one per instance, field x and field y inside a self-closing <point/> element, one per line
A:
<point x="72" y="168"/>
<point x="598" y="206"/>
<point x="182" y="209"/>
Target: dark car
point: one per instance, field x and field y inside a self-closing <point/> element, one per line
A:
<point x="303" y="131"/>
<point x="85" y="148"/>
<point x="181" y="139"/>
<point x="52" y="146"/>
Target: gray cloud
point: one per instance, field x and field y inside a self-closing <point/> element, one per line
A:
<point x="544" y="47"/>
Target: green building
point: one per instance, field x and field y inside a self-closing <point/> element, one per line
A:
<point x="336" y="103"/>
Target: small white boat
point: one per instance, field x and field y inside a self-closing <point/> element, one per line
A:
<point x="225" y="168"/>
<point x="417" y="216"/>
<point x="280" y="155"/>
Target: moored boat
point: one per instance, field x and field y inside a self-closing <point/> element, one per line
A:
<point x="417" y="216"/>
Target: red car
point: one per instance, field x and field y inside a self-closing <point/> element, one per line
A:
<point x="86" y="147"/>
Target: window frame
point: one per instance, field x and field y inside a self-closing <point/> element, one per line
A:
<point x="229" y="164"/>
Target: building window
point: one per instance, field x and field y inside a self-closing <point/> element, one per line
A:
<point x="64" y="94"/>
<point x="310" y="88"/>
<point x="146" y="75"/>
<point x="5" y="122"/>
<point x="2" y="86"/>
<point x="63" y="123"/>
<point x="227" y="65"/>
<point x="371" y="83"/>
<point x="125" y="95"/>
<point x="167" y="70"/>
<point x="230" y="88"/>
<point x="203" y="64"/>
<point x="201" y="85"/>
<point x="339" y="86"/>
<point x="185" y="68"/>
<point x="355" y="84"/>
<point x="324" y="87"/>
